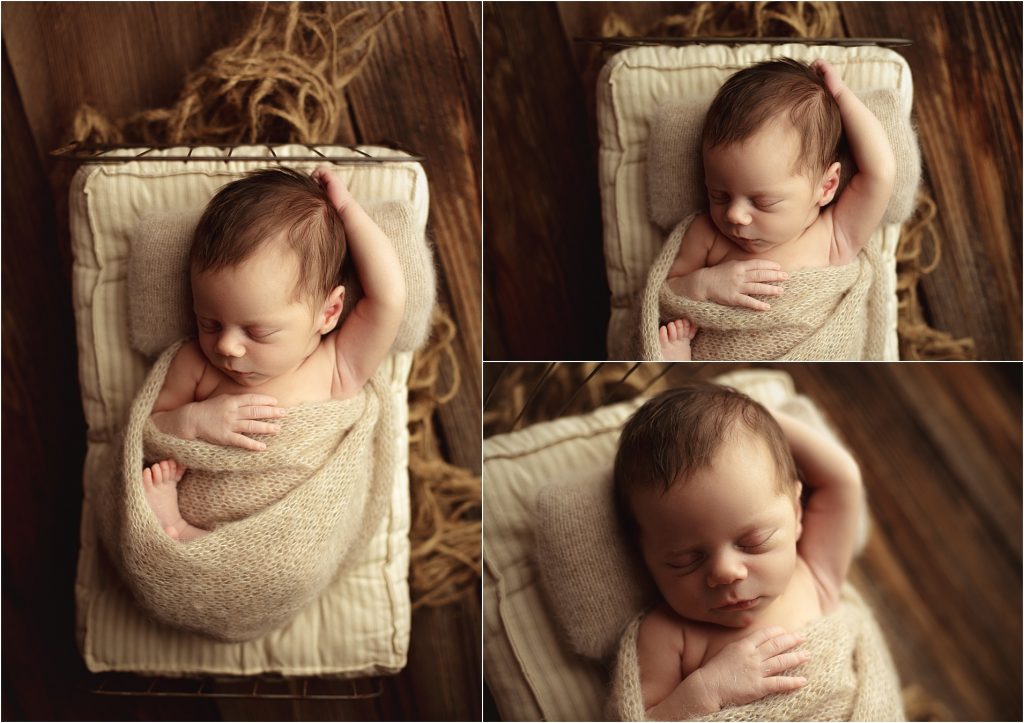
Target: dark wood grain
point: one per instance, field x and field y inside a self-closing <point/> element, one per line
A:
<point x="546" y="294"/>
<point x="940" y="449"/>
<point x="415" y="92"/>
<point x="421" y="90"/>
<point x="966" y="62"/>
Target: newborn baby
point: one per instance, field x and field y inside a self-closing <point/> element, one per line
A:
<point x="706" y="484"/>
<point x="265" y="265"/>
<point x="771" y="146"/>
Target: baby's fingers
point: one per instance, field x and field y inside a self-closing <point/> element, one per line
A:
<point x="766" y="275"/>
<point x="779" y="642"/>
<point x="262" y="411"/>
<point x="251" y="426"/>
<point x="783" y="684"/>
<point x="763" y="289"/>
<point x="784" y="662"/>
<point x="240" y="440"/>
<point x="752" y="303"/>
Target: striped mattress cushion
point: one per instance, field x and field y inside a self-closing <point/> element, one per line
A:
<point x="360" y="625"/>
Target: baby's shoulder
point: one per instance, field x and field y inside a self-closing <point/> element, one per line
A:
<point x="815" y="596"/>
<point x="189" y="361"/>
<point x="661" y="628"/>
<point x="701" y="231"/>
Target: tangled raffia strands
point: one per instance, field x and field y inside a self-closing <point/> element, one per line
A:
<point x="282" y="81"/>
<point x="918" y="340"/>
<point x="738" y="19"/>
<point x="445" y="534"/>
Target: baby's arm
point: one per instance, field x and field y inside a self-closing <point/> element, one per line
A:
<point x="224" y="419"/>
<point x="741" y="672"/>
<point x="730" y="283"/>
<point x="366" y="335"/>
<point x="830" y="518"/>
<point x="862" y="204"/>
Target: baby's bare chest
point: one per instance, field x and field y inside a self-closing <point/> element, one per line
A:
<point x="793" y="612"/>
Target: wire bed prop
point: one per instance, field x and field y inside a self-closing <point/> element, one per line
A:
<point x="296" y="153"/>
<point x="679" y="60"/>
<point x="363" y="631"/>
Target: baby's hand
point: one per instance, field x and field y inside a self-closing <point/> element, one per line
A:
<point x="748" y="669"/>
<point x="227" y="418"/>
<point x="831" y="76"/>
<point x="337" y="191"/>
<point x="732" y="282"/>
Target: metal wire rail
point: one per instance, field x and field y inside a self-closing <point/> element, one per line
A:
<point x="100" y="153"/>
<point x="629" y="42"/>
<point x="263" y="687"/>
<point x="618" y="381"/>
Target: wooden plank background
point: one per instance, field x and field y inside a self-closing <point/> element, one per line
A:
<point x="421" y="91"/>
<point x="940" y="448"/>
<point x="545" y="289"/>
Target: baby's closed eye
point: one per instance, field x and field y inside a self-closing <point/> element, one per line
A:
<point x="758" y="541"/>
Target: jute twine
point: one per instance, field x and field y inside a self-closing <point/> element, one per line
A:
<point x="282" y="82"/>
<point x="919" y="238"/>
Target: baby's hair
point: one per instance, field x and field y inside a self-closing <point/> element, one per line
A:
<point x="755" y="95"/>
<point x="247" y="213"/>
<point x="679" y="432"/>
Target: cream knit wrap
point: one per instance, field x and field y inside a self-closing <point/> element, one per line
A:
<point x="850" y="676"/>
<point x="285" y="521"/>
<point x="824" y="314"/>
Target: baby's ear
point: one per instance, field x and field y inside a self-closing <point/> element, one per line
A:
<point x="830" y="183"/>
<point x="332" y="309"/>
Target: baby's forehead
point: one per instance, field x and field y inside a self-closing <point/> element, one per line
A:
<point x="769" y="155"/>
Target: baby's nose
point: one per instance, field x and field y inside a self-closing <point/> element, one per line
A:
<point x="726" y="570"/>
<point x="229" y="345"/>
<point x="737" y="214"/>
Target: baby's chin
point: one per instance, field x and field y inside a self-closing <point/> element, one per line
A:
<point x="726" y="618"/>
<point x="251" y="379"/>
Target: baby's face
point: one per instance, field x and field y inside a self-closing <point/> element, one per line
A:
<point x="721" y="546"/>
<point x="755" y="197"/>
<point x="250" y="325"/>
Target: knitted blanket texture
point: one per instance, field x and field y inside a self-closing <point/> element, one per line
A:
<point x="825" y="313"/>
<point x="284" y="521"/>
<point x="850" y="675"/>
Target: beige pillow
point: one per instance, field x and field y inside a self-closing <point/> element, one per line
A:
<point x="160" y="297"/>
<point x="675" y="173"/>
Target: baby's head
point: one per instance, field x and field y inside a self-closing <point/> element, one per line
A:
<point x="265" y="263"/>
<point x="772" y="142"/>
<point x="706" y="486"/>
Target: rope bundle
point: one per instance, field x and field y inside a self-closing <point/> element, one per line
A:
<point x="282" y="81"/>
